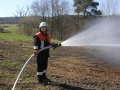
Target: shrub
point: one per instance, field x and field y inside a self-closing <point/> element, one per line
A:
<point x="1" y="30"/>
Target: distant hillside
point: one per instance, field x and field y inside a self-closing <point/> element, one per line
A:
<point x="8" y="20"/>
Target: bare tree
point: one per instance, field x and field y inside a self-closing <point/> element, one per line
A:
<point x="54" y="12"/>
<point x="109" y="8"/>
<point x="52" y="4"/>
<point x="62" y="19"/>
<point x="59" y="9"/>
<point x="20" y="14"/>
<point x="35" y="8"/>
<point x="40" y="8"/>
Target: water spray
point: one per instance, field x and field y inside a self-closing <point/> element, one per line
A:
<point x="56" y="45"/>
<point x="103" y="36"/>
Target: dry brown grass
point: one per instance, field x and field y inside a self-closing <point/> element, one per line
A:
<point x="70" y="68"/>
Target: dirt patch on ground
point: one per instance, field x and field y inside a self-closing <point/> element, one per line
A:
<point x="70" y="68"/>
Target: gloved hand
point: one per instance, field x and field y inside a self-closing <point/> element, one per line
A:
<point x="36" y="53"/>
<point x="54" y="45"/>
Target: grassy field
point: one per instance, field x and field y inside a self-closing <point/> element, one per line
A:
<point x="14" y="37"/>
<point x="69" y="68"/>
<point x="11" y="28"/>
<point x="11" y="34"/>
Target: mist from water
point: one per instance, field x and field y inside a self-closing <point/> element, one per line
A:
<point x="103" y="35"/>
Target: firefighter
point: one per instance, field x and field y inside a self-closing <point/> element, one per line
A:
<point x="41" y="40"/>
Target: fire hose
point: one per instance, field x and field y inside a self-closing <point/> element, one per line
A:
<point x="13" y="88"/>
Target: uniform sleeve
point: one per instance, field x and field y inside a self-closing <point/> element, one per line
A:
<point x="36" y="43"/>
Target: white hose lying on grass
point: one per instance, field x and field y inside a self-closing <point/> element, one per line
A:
<point x="25" y="66"/>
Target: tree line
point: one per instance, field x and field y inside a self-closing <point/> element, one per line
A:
<point x="8" y="20"/>
<point x="58" y="14"/>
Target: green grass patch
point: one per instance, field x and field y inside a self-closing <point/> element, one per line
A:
<point x="11" y="35"/>
<point x="55" y="41"/>
<point x="14" y="37"/>
<point x="11" y="28"/>
<point x="8" y="64"/>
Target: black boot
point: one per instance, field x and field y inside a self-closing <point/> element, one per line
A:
<point x="40" y="79"/>
<point x="45" y="78"/>
<point x="44" y="75"/>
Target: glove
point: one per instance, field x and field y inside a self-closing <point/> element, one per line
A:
<point x="54" y="45"/>
<point x="36" y="53"/>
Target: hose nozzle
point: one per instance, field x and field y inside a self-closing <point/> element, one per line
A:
<point x="56" y="45"/>
<point x="59" y="44"/>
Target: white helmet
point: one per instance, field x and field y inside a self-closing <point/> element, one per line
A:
<point x="42" y="24"/>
